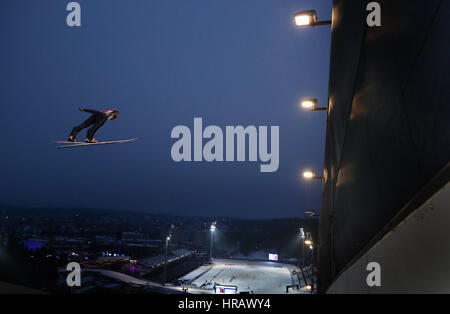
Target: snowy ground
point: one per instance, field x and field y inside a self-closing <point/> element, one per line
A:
<point x="249" y="276"/>
<point x="258" y="277"/>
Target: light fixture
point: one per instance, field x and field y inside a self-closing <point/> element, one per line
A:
<point x="308" y="18"/>
<point x="303" y="19"/>
<point x="308" y="287"/>
<point x="311" y="213"/>
<point x="312" y="104"/>
<point x="165" y="257"/>
<point x="302" y="233"/>
<point x="308" y="242"/>
<point x="213" y="228"/>
<point x="309" y="174"/>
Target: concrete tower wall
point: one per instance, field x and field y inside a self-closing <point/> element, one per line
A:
<point x="388" y="128"/>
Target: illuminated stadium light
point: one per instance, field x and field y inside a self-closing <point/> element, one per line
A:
<point x="165" y="257"/>
<point x="309" y="175"/>
<point x="309" y="103"/>
<point x="308" y="287"/>
<point x="308" y="242"/>
<point x="302" y="233"/>
<point x="312" y="104"/>
<point x="213" y="229"/>
<point x="308" y="18"/>
<point x="303" y="20"/>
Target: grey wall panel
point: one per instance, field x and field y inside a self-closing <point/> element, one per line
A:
<point x="414" y="257"/>
<point x="346" y="43"/>
<point x="388" y="128"/>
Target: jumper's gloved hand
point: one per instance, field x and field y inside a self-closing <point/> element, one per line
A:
<point x="81" y="109"/>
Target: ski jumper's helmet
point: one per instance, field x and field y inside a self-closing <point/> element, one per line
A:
<point x="112" y="114"/>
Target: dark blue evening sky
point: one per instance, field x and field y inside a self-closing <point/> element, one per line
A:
<point x="161" y="63"/>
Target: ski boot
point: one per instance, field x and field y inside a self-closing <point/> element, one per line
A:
<point x="93" y="141"/>
<point x="71" y="139"/>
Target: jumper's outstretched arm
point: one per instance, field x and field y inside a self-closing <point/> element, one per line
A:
<point x="88" y="110"/>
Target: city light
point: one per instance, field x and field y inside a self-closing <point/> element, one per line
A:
<point x="308" y="18"/>
<point x="213" y="227"/>
<point x="308" y="287"/>
<point x="308" y="242"/>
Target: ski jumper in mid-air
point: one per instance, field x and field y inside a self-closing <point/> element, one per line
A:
<point x="96" y="120"/>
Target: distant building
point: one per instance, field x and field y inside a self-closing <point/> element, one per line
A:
<point x="132" y="236"/>
<point x="201" y="238"/>
<point x="179" y="236"/>
<point x="34" y="244"/>
<point x="105" y="240"/>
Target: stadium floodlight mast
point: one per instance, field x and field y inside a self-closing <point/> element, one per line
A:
<point x="311" y="246"/>
<point x="312" y="104"/>
<point x="213" y="229"/>
<point x="302" y="236"/>
<point x="309" y="241"/>
<point x="308" y="18"/>
<point x="309" y="175"/>
<point x="168" y="238"/>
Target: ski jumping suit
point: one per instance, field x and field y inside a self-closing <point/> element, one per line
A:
<point x="97" y="119"/>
